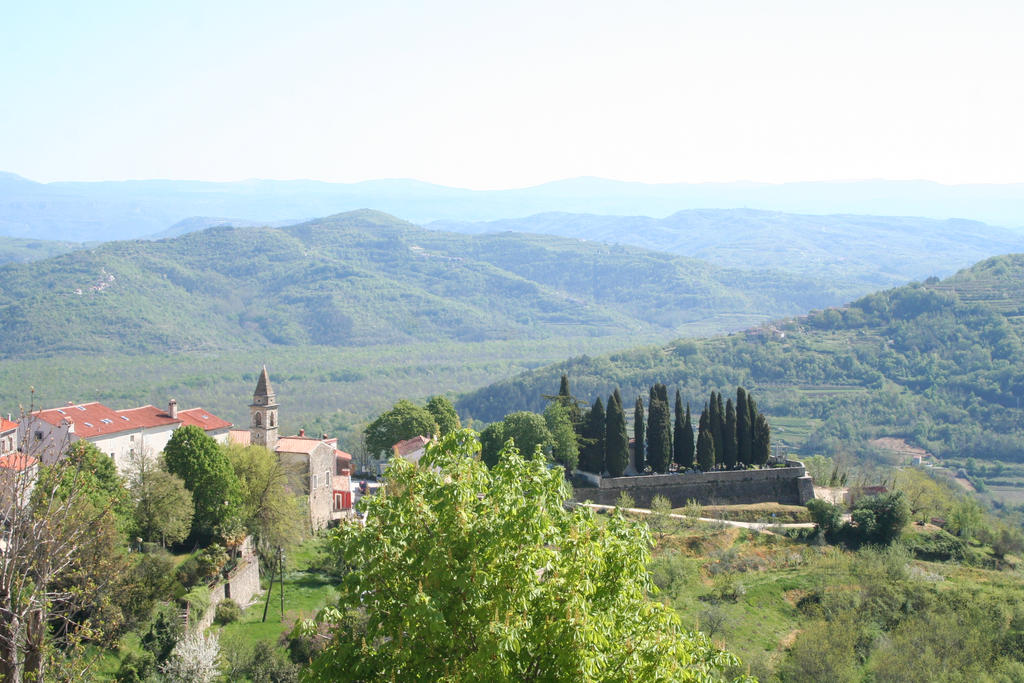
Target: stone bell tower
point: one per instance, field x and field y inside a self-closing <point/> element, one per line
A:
<point x="263" y="413"/>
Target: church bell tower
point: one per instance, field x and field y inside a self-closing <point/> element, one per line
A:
<point x="263" y="413"/>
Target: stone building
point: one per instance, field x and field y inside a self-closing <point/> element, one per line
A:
<point x="315" y="466"/>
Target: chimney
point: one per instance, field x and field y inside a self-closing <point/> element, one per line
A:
<point x="302" y="432"/>
<point x="323" y="437"/>
<point x="172" y="409"/>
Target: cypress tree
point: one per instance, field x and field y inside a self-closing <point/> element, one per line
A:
<point x="705" y="442"/>
<point x="659" y="430"/>
<point x="688" y="441"/>
<point x="678" y="448"/>
<point x="594" y="433"/>
<point x="617" y="441"/>
<point x="762" y="446"/>
<point x="638" y="435"/>
<point x="729" y="436"/>
<point x="743" y="427"/>
<point x="715" y="422"/>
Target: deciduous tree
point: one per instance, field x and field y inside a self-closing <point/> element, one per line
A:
<point x="404" y="421"/>
<point x="203" y="466"/>
<point x="444" y="415"/>
<point x="470" y="574"/>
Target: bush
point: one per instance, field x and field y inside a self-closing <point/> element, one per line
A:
<point x="937" y="546"/>
<point x="164" y="632"/>
<point x="198" y="601"/>
<point x="136" y="667"/>
<point x="827" y="516"/>
<point x="227" y="612"/>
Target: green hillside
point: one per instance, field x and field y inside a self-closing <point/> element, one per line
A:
<point x="366" y="278"/>
<point x="938" y="363"/>
<point x="349" y="313"/>
<point x="859" y="253"/>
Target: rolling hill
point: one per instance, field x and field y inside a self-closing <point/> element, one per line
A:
<point x="366" y="278"/>
<point x="350" y="312"/>
<point x="938" y="363"/>
<point x="873" y="251"/>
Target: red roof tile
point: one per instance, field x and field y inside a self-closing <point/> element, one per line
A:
<point x="17" y="461"/>
<point x="410" y="445"/>
<point x="7" y="426"/>
<point x="202" y="418"/>
<point x="96" y="419"/>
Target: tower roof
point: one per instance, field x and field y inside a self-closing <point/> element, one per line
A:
<point x="263" y="387"/>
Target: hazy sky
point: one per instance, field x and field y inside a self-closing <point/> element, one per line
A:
<point x="502" y="94"/>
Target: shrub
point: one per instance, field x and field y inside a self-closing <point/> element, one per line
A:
<point x="136" y="667"/>
<point x="227" y="612"/>
<point x="198" y="601"/>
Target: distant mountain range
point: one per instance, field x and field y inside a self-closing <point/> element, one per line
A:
<point x="101" y="211"/>
<point x="366" y="278"/>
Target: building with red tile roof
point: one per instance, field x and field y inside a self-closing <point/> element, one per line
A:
<point x="119" y="433"/>
<point x="411" y="449"/>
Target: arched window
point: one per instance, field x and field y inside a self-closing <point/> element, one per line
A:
<point x="271" y="419"/>
<point x="256" y="419"/>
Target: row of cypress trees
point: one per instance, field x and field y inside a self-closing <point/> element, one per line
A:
<point x="728" y="436"/>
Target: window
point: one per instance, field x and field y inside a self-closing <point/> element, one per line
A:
<point x="271" y="419"/>
<point x="316" y="481"/>
<point x="131" y="438"/>
<point x="39" y="436"/>
<point x="327" y="477"/>
<point x="106" y="421"/>
<point x="256" y="419"/>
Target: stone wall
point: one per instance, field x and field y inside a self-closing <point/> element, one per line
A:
<point x="788" y="485"/>
<point x="242" y="584"/>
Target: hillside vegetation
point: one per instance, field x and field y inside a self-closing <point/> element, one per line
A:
<point x="858" y="253"/>
<point x="937" y="363"/>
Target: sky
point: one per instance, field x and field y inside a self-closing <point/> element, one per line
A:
<point x="489" y="95"/>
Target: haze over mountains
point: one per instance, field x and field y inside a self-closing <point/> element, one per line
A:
<point x="99" y="211"/>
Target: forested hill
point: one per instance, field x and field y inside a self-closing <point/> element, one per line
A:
<point x="940" y="363"/>
<point x="366" y="278"/>
<point x="875" y="251"/>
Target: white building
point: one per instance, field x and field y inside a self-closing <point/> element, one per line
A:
<point x="118" y="433"/>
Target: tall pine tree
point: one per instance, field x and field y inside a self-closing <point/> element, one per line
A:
<point x="659" y="429"/>
<point x="729" y="436"/>
<point x="678" y="446"/>
<point x="640" y="462"/>
<point x="743" y="427"/>
<point x="592" y="451"/>
<point x="617" y="441"/>
<point x="688" y="440"/>
<point x="705" y="442"/>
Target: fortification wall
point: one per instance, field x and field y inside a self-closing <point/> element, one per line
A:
<point x="788" y="485"/>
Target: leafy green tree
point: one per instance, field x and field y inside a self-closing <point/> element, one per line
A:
<point x="880" y="519"/>
<point x="617" y="440"/>
<point x="594" y="437"/>
<point x="163" y="506"/>
<point x="404" y="421"/>
<point x="639" y="449"/>
<point x="744" y="427"/>
<point x="492" y="440"/>
<point x="966" y="517"/>
<point x="207" y="473"/>
<point x="565" y="449"/>
<point x="469" y="574"/>
<point x="275" y="517"/>
<point x="444" y="415"/>
<point x="826" y="515"/>
<point x="529" y="431"/>
<point x="705" y="443"/>
<point x="729" y="436"/>
<point x="94" y="477"/>
<point x="659" y="430"/>
<point x="569" y="402"/>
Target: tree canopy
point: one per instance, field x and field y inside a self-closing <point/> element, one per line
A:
<point x="203" y="466"/>
<point x="404" y="421"/>
<point x="474" y="574"/>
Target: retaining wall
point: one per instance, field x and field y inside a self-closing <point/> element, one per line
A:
<point x="788" y="485"/>
<point x="242" y="585"/>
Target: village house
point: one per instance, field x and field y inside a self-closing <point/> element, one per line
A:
<point x="121" y="434"/>
<point x="316" y="468"/>
<point x="411" y="449"/>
